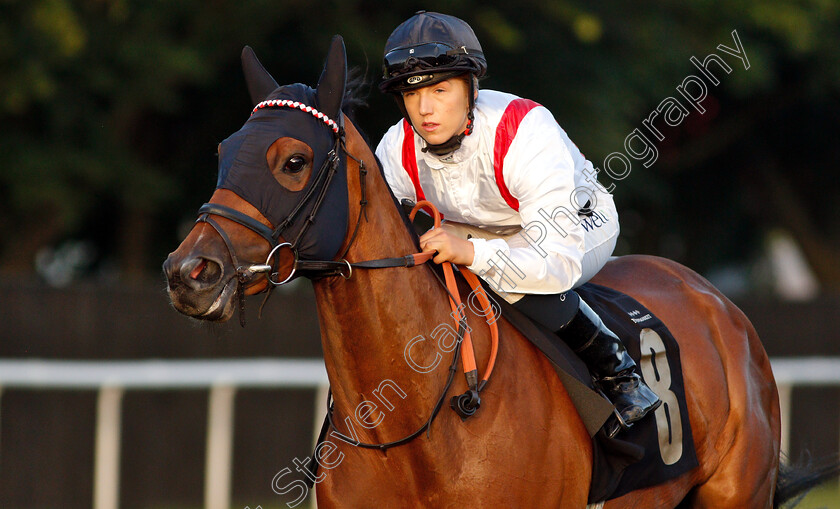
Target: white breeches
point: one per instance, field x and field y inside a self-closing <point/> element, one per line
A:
<point x="599" y="239"/>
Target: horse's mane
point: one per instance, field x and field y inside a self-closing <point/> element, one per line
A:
<point x="356" y="91"/>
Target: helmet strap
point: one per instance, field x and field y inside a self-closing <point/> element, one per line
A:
<point x="453" y="143"/>
<point x="448" y="146"/>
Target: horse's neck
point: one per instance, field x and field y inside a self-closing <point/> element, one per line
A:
<point x="367" y="320"/>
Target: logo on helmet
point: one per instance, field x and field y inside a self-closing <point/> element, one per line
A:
<point x="413" y="80"/>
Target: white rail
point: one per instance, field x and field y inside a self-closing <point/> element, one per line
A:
<point x="224" y="377"/>
<point x="802" y="371"/>
<point x="112" y="378"/>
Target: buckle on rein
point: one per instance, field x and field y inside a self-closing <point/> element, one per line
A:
<point x="466" y="404"/>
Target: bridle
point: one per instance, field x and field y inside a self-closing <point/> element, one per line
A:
<point x="245" y="273"/>
<point x="314" y="269"/>
<point x="466" y="404"/>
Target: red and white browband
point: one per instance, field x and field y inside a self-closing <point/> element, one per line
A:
<point x="299" y="105"/>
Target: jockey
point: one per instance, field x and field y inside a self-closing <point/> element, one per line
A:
<point x="522" y="206"/>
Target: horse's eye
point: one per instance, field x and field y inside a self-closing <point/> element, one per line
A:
<point x="294" y="165"/>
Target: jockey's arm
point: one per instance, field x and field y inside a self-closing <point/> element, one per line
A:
<point x="546" y="256"/>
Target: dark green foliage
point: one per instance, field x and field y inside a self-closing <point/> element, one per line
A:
<point x="111" y="111"/>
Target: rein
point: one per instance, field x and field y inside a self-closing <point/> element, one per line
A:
<point x="465" y="405"/>
<point x="328" y="419"/>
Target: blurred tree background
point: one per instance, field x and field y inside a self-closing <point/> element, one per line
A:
<point x="111" y="111"/>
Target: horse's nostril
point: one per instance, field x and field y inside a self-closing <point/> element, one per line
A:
<point x="198" y="268"/>
<point x="212" y="272"/>
<point x="201" y="272"/>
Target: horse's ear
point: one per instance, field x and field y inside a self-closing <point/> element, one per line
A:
<point x="331" y="84"/>
<point x="260" y="83"/>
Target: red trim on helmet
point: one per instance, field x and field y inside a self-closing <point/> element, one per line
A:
<point x="505" y="132"/>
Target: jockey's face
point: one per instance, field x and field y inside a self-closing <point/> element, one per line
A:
<point x="438" y="112"/>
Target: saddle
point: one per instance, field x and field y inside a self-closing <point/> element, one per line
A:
<point x="655" y="449"/>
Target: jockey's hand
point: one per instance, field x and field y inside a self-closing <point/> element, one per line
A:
<point x="449" y="247"/>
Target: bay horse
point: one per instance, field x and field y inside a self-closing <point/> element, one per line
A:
<point x="527" y="446"/>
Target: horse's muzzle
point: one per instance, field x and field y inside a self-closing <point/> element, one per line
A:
<point x="199" y="287"/>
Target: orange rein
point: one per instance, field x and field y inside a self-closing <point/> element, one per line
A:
<point x="467" y="352"/>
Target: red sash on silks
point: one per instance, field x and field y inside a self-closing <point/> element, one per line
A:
<point x="505" y="133"/>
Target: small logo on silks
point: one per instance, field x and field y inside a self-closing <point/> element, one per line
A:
<point x="413" y="80"/>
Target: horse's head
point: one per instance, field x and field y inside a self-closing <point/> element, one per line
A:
<point x="274" y="175"/>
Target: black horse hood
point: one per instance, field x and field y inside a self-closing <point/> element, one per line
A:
<point x="243" y="168"/>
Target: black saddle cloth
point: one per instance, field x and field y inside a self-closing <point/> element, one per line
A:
<point x="655" y="449"/>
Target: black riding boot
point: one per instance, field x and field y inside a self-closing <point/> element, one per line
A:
<point x="612" y="368"/>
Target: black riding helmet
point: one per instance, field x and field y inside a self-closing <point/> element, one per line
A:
<point x="428" y="48"/>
